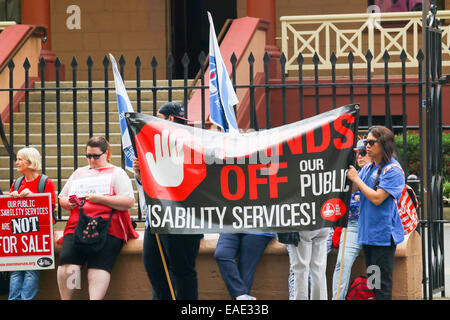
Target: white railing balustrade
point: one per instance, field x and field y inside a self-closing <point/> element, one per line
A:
<point x="357" y="33"/>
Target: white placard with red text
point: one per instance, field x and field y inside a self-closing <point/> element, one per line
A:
<point x="26" y="233"/>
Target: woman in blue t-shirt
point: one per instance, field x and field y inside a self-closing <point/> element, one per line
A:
<point x="380" y="227"/>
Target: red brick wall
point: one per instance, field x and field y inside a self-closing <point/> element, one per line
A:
<point x="132" y="27"/>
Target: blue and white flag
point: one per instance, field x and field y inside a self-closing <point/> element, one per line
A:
<point x="123" y="105"/>
<point x="222" y="97"/>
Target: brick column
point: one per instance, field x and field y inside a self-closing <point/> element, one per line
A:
<point x="266" y="10"/>
<point x="37" y="12"/>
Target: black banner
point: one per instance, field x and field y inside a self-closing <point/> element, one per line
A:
<point x="288" y="178"/>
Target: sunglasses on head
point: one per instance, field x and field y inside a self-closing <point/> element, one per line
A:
<point x="370" y="142"/>
<point x="362" y="153"/>
<point x="95" y="156"/>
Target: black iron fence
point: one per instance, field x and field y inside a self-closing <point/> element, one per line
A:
<point x="399" y="124"/>
<point x="433" y="85"/>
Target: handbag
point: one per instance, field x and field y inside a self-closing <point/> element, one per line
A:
<point x="90" y="233"/>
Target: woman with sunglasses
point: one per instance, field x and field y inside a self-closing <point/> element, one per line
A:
<point x="351" y="245"/>
<point x="101" y="187"/>
<point x="380" y="228"/>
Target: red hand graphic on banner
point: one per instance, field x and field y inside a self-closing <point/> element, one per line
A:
<point x="172" y="164"/>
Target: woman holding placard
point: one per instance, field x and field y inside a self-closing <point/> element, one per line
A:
<point x="98" y="190"/>
<point x="23" y="284"/>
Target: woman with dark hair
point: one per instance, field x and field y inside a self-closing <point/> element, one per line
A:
<point x="102" y="188"/>
<point x="380" y="228"/>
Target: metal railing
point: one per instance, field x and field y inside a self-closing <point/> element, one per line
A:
<point x="339" y="34"/>
<point x="269" y="86"/>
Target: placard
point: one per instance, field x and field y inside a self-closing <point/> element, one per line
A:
<point x="26" y="233"/>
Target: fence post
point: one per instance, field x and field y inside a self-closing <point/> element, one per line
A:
<point x="106" y="82"/>
<point x="58" y="128"/>
<point x="74" y="65"/>
<point x="42" y="65"/>
<point x="11" y="66"/>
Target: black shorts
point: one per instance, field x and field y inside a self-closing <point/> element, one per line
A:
<point x="104" y="260"/>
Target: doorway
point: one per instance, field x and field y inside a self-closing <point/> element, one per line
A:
<point x="189" y="29"/>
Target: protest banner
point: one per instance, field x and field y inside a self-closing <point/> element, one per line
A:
<point x="26" y="233"/>
<point x="283" y="179"/>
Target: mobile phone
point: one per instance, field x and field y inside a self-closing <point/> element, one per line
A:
<point x="74" y="199"/>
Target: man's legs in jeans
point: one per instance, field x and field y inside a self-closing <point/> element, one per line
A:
<point x="252" y="248"/>
<point x="24" y="285"/>
<point x="351" y="252"/>
<point x="226" y="251"/>
<point x="238" y="277"/>
<point x="15" y="285"/>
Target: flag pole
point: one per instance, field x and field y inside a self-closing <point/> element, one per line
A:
<point x="160" y="248"/>
<point x="165" y="266"/>
<point x="124" y="105"/>
<point x="342" y="263"/>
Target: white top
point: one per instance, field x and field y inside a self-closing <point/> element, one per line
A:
<point x="109" y="180"/>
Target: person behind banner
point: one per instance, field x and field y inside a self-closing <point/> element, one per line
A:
<point x="380" y="228"/>
<point x="309" y="258"/>
<point x="351" y="247"/>
<point x="238" y="277"/>
<point x="102" y="187"/>
<point x="180" y="251"/>
<point x="23" y="285"/>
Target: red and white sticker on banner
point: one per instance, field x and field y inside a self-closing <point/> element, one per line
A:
<point x="26" y="233"/>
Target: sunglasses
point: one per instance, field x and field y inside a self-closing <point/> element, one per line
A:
<point x="95" y="156"/>
<point x="362" y="153"/>
<point x="370" y="142"/>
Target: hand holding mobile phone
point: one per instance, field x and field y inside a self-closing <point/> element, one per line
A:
<point x="74" y="199"/>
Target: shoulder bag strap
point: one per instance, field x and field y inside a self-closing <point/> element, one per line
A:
<point x="18" y="182"/>
<point x="41" y="183"/>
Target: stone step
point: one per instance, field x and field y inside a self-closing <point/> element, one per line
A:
<point x="99" y="95"/>
<point x="65" y="127"/>
<point x="111" y="84"/>
<point x="50" y="117"/>
<point x="66" y="149"/>
<point x="83" y="106"/>
<point x="51" y="138"/>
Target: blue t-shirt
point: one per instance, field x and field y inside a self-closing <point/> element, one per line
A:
<point x="264" y="234"/>
<point x="378" y="223"/>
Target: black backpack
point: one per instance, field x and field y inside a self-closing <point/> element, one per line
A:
<point x="41" y="188"/>
<point x="41" y="184"/>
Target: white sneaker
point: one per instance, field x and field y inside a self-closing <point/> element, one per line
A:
<point x="245" y="297"/>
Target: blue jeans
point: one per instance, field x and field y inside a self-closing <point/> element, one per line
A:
<point x="23" y="285"/>
<point x="180" y="252"/>
<point x="351" y="252"/>
<point x="239" y="277"/>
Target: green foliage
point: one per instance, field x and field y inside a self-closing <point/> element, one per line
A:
<point x="413" y="153"/>
<point x="446" y="190"/>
